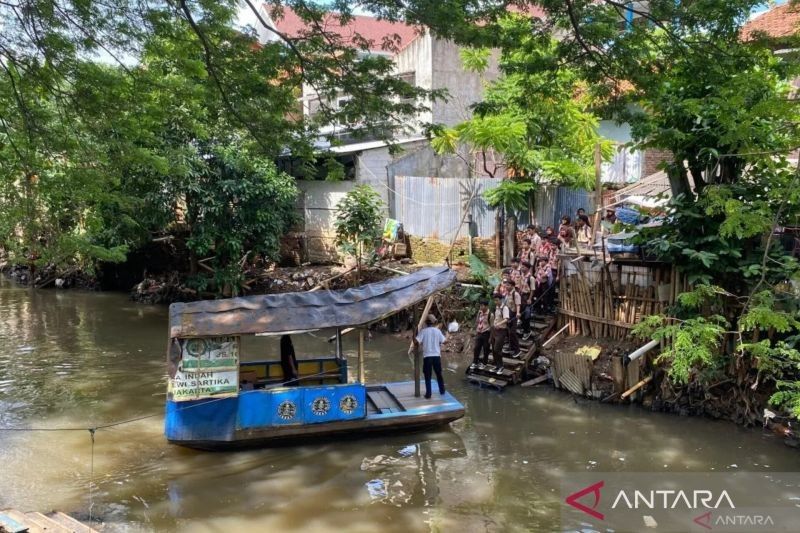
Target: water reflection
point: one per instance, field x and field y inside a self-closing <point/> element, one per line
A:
<point x="81" y="359"/>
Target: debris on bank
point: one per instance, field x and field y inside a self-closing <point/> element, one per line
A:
<point x="602" y="369"/>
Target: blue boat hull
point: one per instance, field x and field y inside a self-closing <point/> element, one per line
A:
<point x="296" y="415"/>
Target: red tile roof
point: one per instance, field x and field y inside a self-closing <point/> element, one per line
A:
<point x="780" y="21"/>
<point x="369" y="28"/>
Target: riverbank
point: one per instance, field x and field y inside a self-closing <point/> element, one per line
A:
<point x="730" y="399"/>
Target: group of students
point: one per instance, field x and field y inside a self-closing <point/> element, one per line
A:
<point x="527" y="287"/>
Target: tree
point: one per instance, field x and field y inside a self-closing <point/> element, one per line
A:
<point x="680" y="74"/>
<point x="358" y="222"/>
<point x="98" y="156"/>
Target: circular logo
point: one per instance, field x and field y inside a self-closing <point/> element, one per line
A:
<point x="348" y="404"/>
<point x="196" y="347"/>
<point x="320" y="406"/>
<point x="287" y="410"/>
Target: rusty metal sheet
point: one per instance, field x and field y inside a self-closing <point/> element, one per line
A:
<point x="575" y="367"/>
<point x="571" y="382"/>
<point x="301" y="311"/>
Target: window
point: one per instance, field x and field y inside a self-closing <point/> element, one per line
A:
<point x="411" y="79"/>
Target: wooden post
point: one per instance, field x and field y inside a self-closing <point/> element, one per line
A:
<point x="617" y="373"/>
<point x="339" y="351"/>
<point x="598" y="177"/>
<point x="361" y="372"/>
<point x="415" y="349"/>
<point x="498" y="225"/>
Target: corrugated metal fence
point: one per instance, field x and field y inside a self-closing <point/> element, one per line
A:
<point x="433" y="207"/>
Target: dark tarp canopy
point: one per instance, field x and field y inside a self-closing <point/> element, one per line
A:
<point x="299" y="311"/>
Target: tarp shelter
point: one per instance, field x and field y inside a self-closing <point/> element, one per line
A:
<point x="300" y="311"/>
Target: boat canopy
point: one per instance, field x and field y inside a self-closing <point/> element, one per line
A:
<point x="303" y="311"/>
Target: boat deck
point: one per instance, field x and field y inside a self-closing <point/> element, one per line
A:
<point x="14" y="521"/>
<point x="399" y="398"/>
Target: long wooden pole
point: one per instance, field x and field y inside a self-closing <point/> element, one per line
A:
<point x="361" y="371"/>
<point x="415" y="349"/>
<point x="598" y="177"/>
<point x="636" y="387"/>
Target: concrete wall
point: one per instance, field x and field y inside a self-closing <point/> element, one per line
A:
<point x="371" y="167"/>
<point x="316" y="206"/>
<point x="416" y="57"/>
<point x="464" y="88"/>
<point x="425" y="162"/>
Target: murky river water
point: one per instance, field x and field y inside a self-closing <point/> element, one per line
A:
<point x="72" y="359"/>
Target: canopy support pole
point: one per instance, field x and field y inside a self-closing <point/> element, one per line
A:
<point x="361" y="373"/>
<point x="338" y="338"/>
<point x="415" y="349"/>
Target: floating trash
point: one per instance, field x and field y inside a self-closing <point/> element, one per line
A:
<point x="377" y="489"/>
<point x="408" y="451"/>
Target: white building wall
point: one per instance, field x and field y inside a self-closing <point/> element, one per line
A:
<point x="417" y="57"/>
<point x="464" y="88"/>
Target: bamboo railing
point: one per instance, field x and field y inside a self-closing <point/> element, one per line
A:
<point x="603" y="299"/>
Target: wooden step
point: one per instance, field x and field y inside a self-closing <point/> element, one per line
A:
<point x="505" y="374"/>
<point x="484" y="381"/>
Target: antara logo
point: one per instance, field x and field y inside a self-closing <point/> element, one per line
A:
<point x="573" y="498"/>
<point x="653" y="499"/>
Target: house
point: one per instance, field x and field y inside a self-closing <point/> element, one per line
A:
<point x="780" y="28"/>
<point x="420" y="59"/>
<point x="427" y="62"/>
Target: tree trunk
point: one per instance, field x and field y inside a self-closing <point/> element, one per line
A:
<point x="498" y="229"/>
<point x="510" y="244"/>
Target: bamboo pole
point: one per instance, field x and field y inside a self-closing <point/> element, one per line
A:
<point x="416" y="348"/>
<point x="361" y="372"/>
<point x="636" y="387"/>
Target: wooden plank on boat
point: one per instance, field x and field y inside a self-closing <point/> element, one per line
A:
<point x="45" y="524"/>
<point x="384" y="402"/>
<point x="10" y="525"/>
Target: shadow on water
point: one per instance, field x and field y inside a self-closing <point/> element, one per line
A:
<point x="72" y="359"/>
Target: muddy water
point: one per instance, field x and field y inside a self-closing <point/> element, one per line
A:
<point x="75" y="360"/>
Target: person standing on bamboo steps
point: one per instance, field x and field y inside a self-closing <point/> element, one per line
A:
<point x="483" y="330"/>
<point x="513" y="300"/>
<point x="431" y="339"/>
<point x="499" y="328"/>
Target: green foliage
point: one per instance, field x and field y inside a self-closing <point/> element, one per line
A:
<point x="481" y="273"/>
<point x="358" y="221"/>
<point x="174" y="129"/>
<point x="535" y="121"/>
<point x="693" y="343"/>
<point x="510" y="194"/>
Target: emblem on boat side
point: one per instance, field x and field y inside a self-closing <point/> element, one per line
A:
<point x="348" y="404"/>
<point x="287" y="410"/>
<point x="320" y="406"/>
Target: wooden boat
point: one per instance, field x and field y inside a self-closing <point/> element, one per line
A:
<point x="217" y="402"/>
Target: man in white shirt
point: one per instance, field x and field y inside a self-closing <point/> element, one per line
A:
<point x="431" y="339"/>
